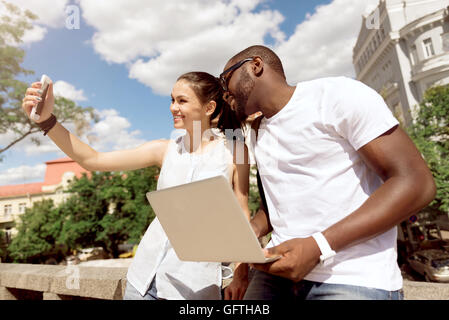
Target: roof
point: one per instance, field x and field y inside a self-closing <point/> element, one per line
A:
<point x="59" y="160"/>
<point x="53" y="175"/>
<point x="425" y="20"/>
<point x="57" y="168"/>
<point x="21" y="189"/>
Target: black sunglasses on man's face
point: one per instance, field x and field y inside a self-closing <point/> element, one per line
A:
<point x="223" y="80"/>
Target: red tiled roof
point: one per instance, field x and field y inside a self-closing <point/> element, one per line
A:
<point x="21" y="189"/>
<point x="59" y="160"/>
<point x="56" y="168"/>
<point x="53" y="175"/>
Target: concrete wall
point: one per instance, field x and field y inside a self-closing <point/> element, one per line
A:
<point x="45" y="282"/>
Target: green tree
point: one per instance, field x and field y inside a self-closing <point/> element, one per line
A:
<point x="105" y="210"/>
<point x="253" y="196"/>
<point x="430" y="132"/>
<point x="38" y="230"/>
<point x="3" y="253"/>
<point x="12" y="118"/>
<point x="108" y="209"/>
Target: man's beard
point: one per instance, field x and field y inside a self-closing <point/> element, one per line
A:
<point x="244" y="88"/>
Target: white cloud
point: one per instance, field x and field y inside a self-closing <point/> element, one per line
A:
<point x="67" y="90"/>
<point x="22" y="174"/>
<point x="322" y="44"/>
<point x="34" y="35"/>
<point x="112" y="132"/>
<point x="162" y="39"/>
<point x="50" y="13"/>
<point x="26" y="145"/>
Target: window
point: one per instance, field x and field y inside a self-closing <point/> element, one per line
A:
<point x="22" y="207"/>
<point x="7" y="210"/>
<point x="428" y="48"/>
<point x="414" y="55"/>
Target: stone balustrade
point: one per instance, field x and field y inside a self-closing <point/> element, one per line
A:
<point x="75" y="282"/>
<point x="49" y="282"/>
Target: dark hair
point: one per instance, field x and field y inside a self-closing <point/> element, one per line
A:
<point x="208" y="88"/>
<point x="268" y="56"/>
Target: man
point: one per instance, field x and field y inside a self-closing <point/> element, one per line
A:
<point x="338" y="178"/>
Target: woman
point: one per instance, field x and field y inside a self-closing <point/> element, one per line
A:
<point x="156" y="272"/>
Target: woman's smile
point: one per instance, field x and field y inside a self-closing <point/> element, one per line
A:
<point x="178" y="118"/>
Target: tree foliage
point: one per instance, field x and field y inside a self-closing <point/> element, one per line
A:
<point x="38" y="231"/>
<point x="254" y="195"/>
<point x="430" y="132"/>
<point x="104" y="210"/>
<point x="108" y="209"/>
<point x="13" y="25"/>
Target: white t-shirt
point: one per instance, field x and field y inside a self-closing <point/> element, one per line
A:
<point x="313" y="176"/>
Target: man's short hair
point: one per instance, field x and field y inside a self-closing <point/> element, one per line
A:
<point x="268" y="56"/>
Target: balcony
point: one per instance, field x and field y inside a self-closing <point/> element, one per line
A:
<point x="430" y="66"/>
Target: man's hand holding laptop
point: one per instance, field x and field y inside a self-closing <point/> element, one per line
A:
<point x="298" y="257"/>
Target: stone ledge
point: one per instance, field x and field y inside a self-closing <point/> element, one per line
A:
<point x="414" y="290"/>
<point x="37" y="282"/>
<point x="64" y="281"/>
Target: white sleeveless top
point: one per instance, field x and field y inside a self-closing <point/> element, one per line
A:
<point x="155" y="257"/>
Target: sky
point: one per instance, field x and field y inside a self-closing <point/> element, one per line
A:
<point x="122" y="57"/>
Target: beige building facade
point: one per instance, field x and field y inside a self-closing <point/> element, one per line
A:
<point x="403" y="49"/>
<point x="14" y="199"/>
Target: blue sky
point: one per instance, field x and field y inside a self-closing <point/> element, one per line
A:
<point x="126" y="73"/>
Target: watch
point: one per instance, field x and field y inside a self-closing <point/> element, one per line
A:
<point x="327" y="254"/>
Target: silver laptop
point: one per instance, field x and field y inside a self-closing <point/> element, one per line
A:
<point x="204" y="222"/>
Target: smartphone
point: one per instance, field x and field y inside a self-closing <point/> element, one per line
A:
<point x="37" y="109"/>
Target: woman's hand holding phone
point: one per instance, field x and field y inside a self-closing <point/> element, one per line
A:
<point x="33" y="96"/>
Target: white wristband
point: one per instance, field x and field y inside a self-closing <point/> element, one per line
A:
<point x="327" y="254"/>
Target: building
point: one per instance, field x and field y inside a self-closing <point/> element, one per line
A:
<point x="403" y="49"/>
<point x="14" y="199"/>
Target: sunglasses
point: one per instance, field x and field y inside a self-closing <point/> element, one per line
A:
<point x="223" y="80"/>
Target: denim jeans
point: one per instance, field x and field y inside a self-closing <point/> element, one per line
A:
<point x="264" y="286"/>
<point x="131" y="293"/>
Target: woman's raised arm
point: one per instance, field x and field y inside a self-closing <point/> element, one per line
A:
<point x="148" y="154"/>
